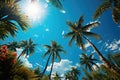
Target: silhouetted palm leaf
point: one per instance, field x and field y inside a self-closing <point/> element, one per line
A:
<point x="114" y="4"/>
<point x="105" y="6"/>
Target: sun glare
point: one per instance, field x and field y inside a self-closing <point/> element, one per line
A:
<point x="34" y="10"/>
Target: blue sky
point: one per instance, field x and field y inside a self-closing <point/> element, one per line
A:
<point x="52" y="26"/>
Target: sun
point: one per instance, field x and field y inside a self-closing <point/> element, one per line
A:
<point x="34" y="10"/>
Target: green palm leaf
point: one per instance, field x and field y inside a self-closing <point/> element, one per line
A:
<point x="71" y="40"/>
<point x="81" y="20"/>
<point x="90" y="26"/>
<point x="46" y="53"/>
<point x="72" y="26"/>
<point x="116" y="14"/>
<point x="79" y="42"/>
<point x="69" y="34"/>
<point x="105" y="6"/>
<point x="91" y="34"/>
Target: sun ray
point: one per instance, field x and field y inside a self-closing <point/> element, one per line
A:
<point x="35" y="10"/>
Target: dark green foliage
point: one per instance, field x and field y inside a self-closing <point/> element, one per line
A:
<point x="104" y="73"/>
<point x="107" y="4"/>
<point x="73" y="74"/>
<point x="11" y="18"/>
<point x="88" y="61"/>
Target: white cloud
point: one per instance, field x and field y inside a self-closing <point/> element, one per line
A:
<point x="26" y="62"/>
<point x="99" y="41"/>
<point x="37" y="64"/>
<point x="62" y="66"/>
<point x="47" y="30"/>
<point x="119" y="26"/>
<point x="87" y="45"/>
<point x="63" y="32"/>
<point x="114" y="45"/>
<point x="35" y="35"/>
<point x="63" y="11"/>
<point x="95" y="67"/>
<point x="23" y="58"/>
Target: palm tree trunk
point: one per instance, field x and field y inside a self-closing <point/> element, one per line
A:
<point x="51" y="68"/>
<point x="19" y="56"/>
<point x="46" y="66"/>
<point x="102" y="58"/>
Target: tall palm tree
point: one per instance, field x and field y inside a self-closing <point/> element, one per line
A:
<point x="80" y="33"/>
<point x="53" y="52"/>
<point x="11" y="18"/>
<point x="108" y="4"/>
<point x="88" y="61"/>
<point x="28" y="47"/>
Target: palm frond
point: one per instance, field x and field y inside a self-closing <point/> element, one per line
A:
<point x="91" y="34"/>
<point x="69" y="34"/>
<point x="105" y="6"/>
<point x="71" y="25"/>
<point x="46" y="53"/>
<point x="58" y="56"/>
<point x="47" y="46"/>
<point x="80" y="43"/>
<point x="71" y="40"/>
<point x="90" y="26"/>
<point x="61" y="50"/>
<point x="81" y="20"/>
<point x="116" y="14"/>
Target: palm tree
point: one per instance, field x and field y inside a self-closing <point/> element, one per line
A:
<point x="75" y="73"/>
<point x="88" y="61"/>
<point x="108" y="4"/>
<point x="13" y="45"/>
<point x="11" y="18"/>
<point x="28" y="47"/>
<point x="53" y="52"/>
<point x="80" y="32"/>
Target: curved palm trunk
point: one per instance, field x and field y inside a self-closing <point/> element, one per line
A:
<point x="46" y="66"/>
<point x="19" y="56"/>
<point x="51" y="68"/>
<point x="102" y="58"/>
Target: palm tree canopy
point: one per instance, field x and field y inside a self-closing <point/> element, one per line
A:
<point x="28" y="46"/>
<point x="88" y="61"/>
<point x="73" y="74"/>
<point x="54" y="49"/>
<point x="13" y="45"/>
<point x="78" y="31"/>
<point x="11" y="18"/>
<point x="107" y="4"/>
